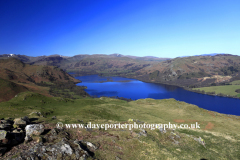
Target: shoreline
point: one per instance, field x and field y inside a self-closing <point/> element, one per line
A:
<point x="185" y="88"/>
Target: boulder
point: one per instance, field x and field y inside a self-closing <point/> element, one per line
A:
<point x="3" y="134"/>
<point x="3" y="137"/>
<point x="19" y="122"/>
<point x="34" y="129"/>
<point x="18" y="135"/>
<point x="5" y="126"/>
<point x="26" y="119"/>
<point x="89" y="144"/>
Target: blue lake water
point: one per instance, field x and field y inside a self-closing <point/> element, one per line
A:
<point x="135" y="89"/>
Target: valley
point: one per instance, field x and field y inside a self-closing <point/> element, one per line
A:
<point x="40" y="89"/>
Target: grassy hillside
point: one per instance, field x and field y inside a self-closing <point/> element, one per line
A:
<point x="220" y="132"/>
<point x="105" y="65"/>
<point x="15" y="70"/>
<point x="229" y="90"/>
<point x="17" y="76"/>
<point x="9" y="89"/>
<point x="194" y="71"/>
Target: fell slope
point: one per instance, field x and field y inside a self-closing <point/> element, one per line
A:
<point x="15" y="70"/>
<point x="9" y="89"/>
<point x="219" y="132"/>
<point x="193" y="71"/>
<point x="17" y="76"/>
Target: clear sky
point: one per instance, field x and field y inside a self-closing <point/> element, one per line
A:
<point x="162" y="28"/>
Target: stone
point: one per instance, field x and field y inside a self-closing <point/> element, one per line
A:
<point x="26" y="119"/>
<point x="143" y="132"/>
<point x="19" y="122"/>
<point x="65" y="148"/>
<point x="34" y="129"/>
<point x="37" y="139"/>
<point x="200" y="140"/>
<point x="28" y="138"/>
<point x="54" y="132"/>
<point x="89" y="144"/>
<point x="5" y="126"/>
<point x="3" y="137"/>
<point x="162" y="130"/>
<point x="3" y="134"/>
<point x="54" y="117"/>
<point x="17" y="135"/>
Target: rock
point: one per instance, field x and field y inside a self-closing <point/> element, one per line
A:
<point x="3" y="137"/>
<point x="54" y="117"/>
<point x="142" y="132"/>
<point x="5" y="126"/>
<point x="26" y="119"/>
<point x="89" y="144"/>
<point x="162" y="130"/>
<point x="83" y="148"/>
<point x="28" y="138"/>
<point x="60" y="149"/>
<point x="19" y="122"/>
<point x="200" y="140"/>
<point x="3" y="134"/>
<point x="7" y="121"/>
<point x="17" y="135"/>
<point x="2" y="150"/>
<point x="38" y="139"/>
<point x="54" y="132"/>
<point x="34" y="129"/>
<point x="65" y="148"/>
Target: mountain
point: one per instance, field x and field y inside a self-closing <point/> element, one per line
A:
<point x="18" y="77"/>
<point x="15" y="70"/>
<point x="96" y="64"/>
<point x="193" y="71"/>
<point x="9" y="89"/>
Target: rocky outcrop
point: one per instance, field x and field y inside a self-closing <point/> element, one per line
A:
<point x="11" y="134"/>
<point x="38" y="144"/>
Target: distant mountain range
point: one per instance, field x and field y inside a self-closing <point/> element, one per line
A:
<point x="210" y="54"/>
<point x="182" y="71"/>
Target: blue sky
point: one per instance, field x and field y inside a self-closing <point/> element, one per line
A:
<point x="162" y="28"/>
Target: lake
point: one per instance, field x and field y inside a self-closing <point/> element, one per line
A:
<point x="135" y="89"/>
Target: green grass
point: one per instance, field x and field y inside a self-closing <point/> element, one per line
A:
<point x="222" y="139"/>
<point x="227" y="89"/>
<point x="235" y="82"/>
